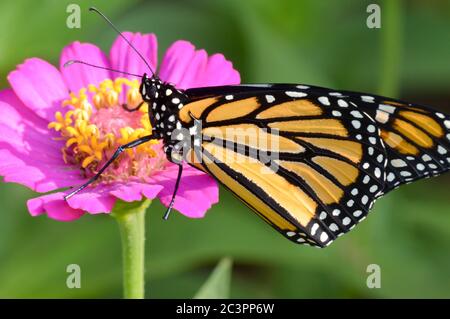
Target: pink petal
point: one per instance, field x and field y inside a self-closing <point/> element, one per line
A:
<point x="94" y="200"/>
<point x="124" y="58"/>
<point x="39" y="86"/>
<point x="101" y="198"/>
<point x="28" y="153"/>
<point x="14" y="112"/>
<point x="196" y="194"/>
<point x="176" y="61"/>
<point x="186" y="67"/>
<point x="219" y="71"/>
<point x="20" y="125"/>
<point x="54" y="206"/>
<point x="78" y="76"/>
<point x="135" y="191"/>
<point x="18" y="169"/>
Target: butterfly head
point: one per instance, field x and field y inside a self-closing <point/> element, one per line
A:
<point x="164" y="102"/>
<point x="149" y="88"/>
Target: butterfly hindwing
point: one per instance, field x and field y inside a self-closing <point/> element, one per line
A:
<point x="316" y="181"/>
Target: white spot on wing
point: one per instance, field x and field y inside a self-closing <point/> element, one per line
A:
<point x="420" y="167"/>
<point x="390" y="177"/>
<point x="371" y="128"/>
<point x="356" y="124"/>
<point x="387" y="108"/>
<point x="377" y="172"/>
<point x="290" y="233"/>
<point x="405" y="173"/>
<point x="366" y="179"/>
<point x="295" y="94"/>
<point x="398" y="163"/>
<point x="323" y="237"/>
<point x="346" y="221"/>
<point x="336" y="113"/>
<point x="356" y="114"/>
<point x="357" y="213"/>
<point x="270" y="98"/>
<point x="342" y="103"/>
<point x="381" y="117"/>
<point x="364" y="199"/>
<point x="333" y="227"/>
<point x="367" y="98"/>
<point x="324" y="100"/>
<point x="314" y="228"/>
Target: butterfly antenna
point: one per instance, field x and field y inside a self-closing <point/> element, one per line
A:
<point x="70" y="62"/>
<point x="123" y="37"/>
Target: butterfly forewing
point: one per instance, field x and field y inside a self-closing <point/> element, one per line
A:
<point x="416" y="139"/>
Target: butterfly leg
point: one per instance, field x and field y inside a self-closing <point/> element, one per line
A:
<point x="116" y="154"/>
<point x="125" y="107"/>
<point x="175" y="155"/>
<point x="177" y="184"/>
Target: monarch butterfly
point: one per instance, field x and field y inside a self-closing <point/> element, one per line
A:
<point x="336" y="151"/>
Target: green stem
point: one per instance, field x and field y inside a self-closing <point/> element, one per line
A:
<point x="131" y="220"/>
<point x="391" y="34"/>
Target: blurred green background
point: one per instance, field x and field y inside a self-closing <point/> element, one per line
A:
<point x="318" y="42"/>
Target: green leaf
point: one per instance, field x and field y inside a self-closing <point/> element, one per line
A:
<point x="218" y="284"/>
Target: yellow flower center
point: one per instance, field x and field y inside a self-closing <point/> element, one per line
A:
<point x="96" y="124"/>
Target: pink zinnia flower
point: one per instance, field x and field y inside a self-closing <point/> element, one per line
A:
<point x="59" y="126"/>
